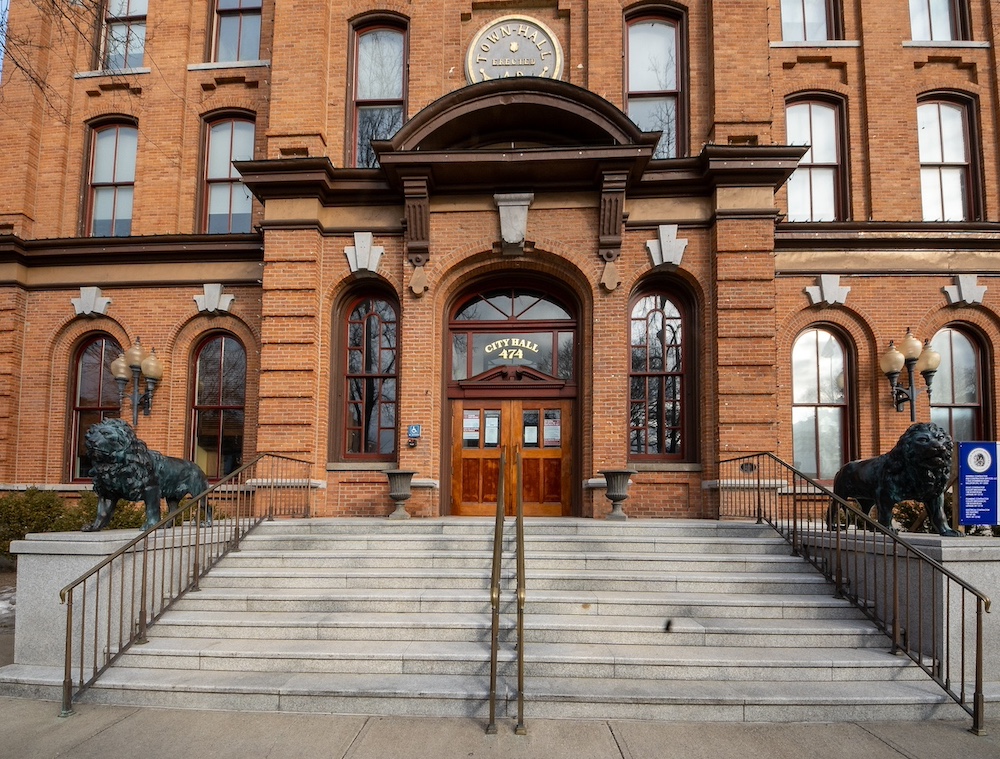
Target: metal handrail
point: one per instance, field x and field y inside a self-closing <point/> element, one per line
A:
<point x="520" y="728"/>
<point x="882" y="574"/>
<point x="491" y="728"/>
<point x="135" y="585"/>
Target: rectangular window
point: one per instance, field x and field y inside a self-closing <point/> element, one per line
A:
<point x="805" y="21"/>
<point x="379" y="90"/>
<point x="228" y="202"/>
<point x="124" y="34"/>
<point x="936" y="20"/>
<point x="237" y="30"/>
<point x="815" y="188"/>
<point x="945" y="171"/>
<point x="112" y="179"/>
<point x="654" y="81"/>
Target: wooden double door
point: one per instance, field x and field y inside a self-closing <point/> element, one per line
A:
<point x="541" y="430"/>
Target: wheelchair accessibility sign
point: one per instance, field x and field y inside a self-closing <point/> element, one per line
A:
<point x="978" y="483"/>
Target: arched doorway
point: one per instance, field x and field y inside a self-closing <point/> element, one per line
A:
<point x="512" y="388"/>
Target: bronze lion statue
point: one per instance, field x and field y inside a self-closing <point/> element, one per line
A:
<point x="124" y="468"/>
<point x="916" y="469"/>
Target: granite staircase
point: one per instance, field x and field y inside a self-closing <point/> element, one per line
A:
<point x="648" y="619"/>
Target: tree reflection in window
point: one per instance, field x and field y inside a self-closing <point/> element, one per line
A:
<point x="219" y="406"/>
<point x="956" y="403"/>
<point x="379" y="90"/>
<point x="819" y="403"/>
<point x="372" y="391"/>
<point x="95" y="398"/>
<point x="656" y="378"/>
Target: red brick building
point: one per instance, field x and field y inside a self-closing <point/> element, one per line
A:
<point x="382" y="235"/>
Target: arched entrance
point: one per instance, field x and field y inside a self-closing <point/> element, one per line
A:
<point x="513" y="388"/>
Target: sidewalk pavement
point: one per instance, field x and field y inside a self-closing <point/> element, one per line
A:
<point x="33" y="730"/>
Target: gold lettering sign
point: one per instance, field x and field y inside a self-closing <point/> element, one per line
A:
<point x="511" y="347"/>
<point x="513" y="46"/>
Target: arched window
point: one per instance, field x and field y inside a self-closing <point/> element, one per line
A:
<point x="112" y="180"/>
<point x="371" y="389"/>
<point x="95" y="396"/>
<point x="654" y="80"/>
<point x="659" y="392"/>
<point x="228" y="203"/>
<point x="957" y="396"/>
<point x="819" y="403"/>
<point x="379" y="88"/>
<point x="816" y="190"/>
<point x="948" y="184"/>
<point x="218" y="410"/>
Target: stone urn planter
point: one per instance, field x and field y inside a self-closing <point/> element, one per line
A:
<point x="400" y="491"/>
<point x="617" y="490"/>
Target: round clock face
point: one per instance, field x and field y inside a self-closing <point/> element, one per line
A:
<point x="513" y="46"/>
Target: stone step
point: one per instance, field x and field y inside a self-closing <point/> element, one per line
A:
<point x="473" y="601"/>
<point x="584" y="561"/>
<point x="541" y="660"/>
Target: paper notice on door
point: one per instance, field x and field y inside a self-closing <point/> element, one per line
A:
<point x="492" y="429"/>
<point x="470" y="425"/>
<point x="552" y="431"/>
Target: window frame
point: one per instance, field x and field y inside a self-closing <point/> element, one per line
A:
<point x="342" y="400"/>
<point x="981" y="406"/>
<point x="834" y="22"/>
<point x="841" y="168"/>
<point x="116" y="184"/>
<point x="241" y="10"/>
<point x="959" y="17"/>
<point x="678" y="20"/>
<point x="111" y="409"/>
<point x="688" y="393"/>
<point x="131" y="21"/>
<point x="359" y="29"/>
<point x="848" y="412"/>
<point x="234" y="180"/>
<point x="196" y="407"/>
<point x="969" y="108"/>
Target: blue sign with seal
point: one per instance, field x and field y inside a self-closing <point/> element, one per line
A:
<point x="978" y="483"/>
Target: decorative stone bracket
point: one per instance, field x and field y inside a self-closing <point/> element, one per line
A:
<point x="418" y="230"/>
<point x="513" y="208"/>
<point x="90" y="303"/>
<point x="666" y="249"/>
<point x="966" y="291"/>
<point x="612" y="216"/>
<point x="827" y="291"/>
<point x="363" y="256"/>
<point x="213" y="301"/>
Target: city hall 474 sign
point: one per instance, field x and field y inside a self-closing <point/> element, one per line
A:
<point x="514" y="46"/>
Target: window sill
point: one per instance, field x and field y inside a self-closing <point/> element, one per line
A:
<point x="109" y="72"/>
<point x="947" y="43"/>
<point x="361" y="466"/>
<point x="215" y="65"/>
<point x="816" y="43"/>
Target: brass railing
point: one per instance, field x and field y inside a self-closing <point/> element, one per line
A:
<point x="520" y="728"/>
<point x="495" y="593"/>
<point x="491" y="727"/>
<point x="923" y="607"/>
<point x="110" y="607"/>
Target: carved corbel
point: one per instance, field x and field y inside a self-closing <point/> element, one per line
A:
<point x="610" y="231"/>
<point x="418" y="220"/>
<point x="90" y="303"/>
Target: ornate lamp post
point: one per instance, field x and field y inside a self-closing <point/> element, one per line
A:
<point x="912" y="355"/>
<point x="136" y="362"/>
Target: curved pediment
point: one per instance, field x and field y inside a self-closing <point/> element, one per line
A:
<point x="524" y="112"/>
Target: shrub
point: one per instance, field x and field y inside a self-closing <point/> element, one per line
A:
<point x="37" y="510"/>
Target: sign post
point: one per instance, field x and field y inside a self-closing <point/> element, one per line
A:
<point x="978" y="483"/>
